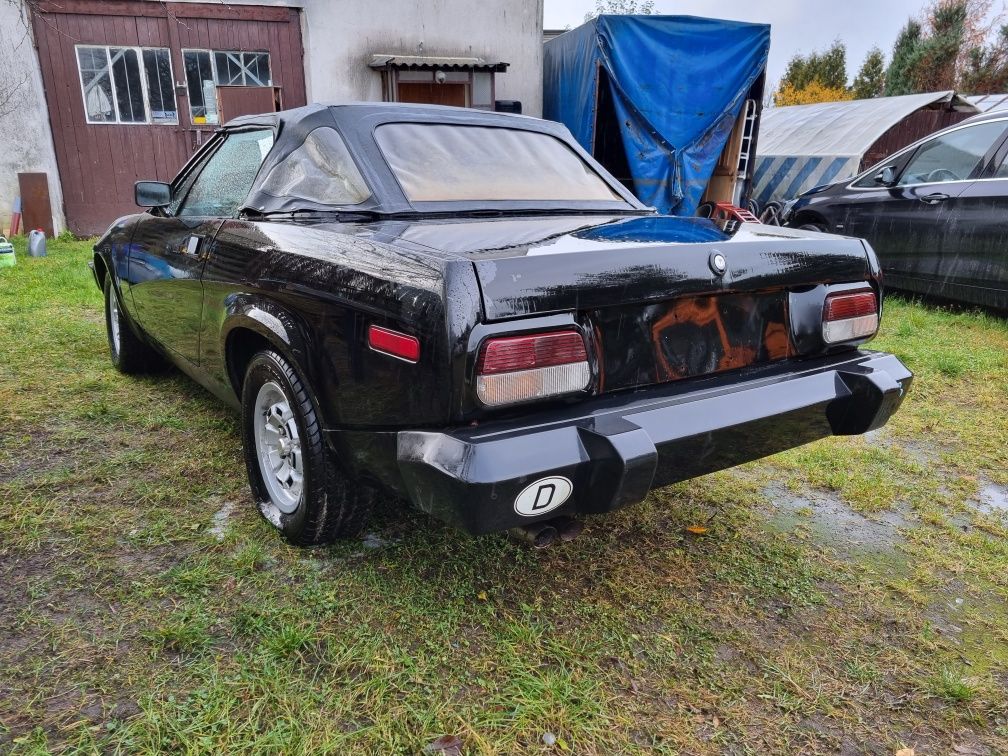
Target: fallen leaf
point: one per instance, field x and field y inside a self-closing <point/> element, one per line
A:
<point x="482" y="595"/>
<point x="446" y="745"/>
<point x="970" y="750"/>
<point x="696" y="529"/>
<point x="905" y="752"/>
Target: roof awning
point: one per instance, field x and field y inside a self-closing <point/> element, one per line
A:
<point x="388" y="61"/>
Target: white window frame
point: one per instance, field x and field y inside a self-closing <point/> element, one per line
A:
<point x="115" y="93"/>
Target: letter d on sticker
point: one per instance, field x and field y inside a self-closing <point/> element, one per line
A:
<point x="543" y="496"/>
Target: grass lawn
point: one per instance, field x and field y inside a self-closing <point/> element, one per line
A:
<point x="851" y="594"/>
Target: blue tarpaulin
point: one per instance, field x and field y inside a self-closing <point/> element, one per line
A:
<point x="677" y="85"/>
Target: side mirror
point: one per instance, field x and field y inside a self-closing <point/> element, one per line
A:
<point x="886" y="176"/>
<point x="152" y="193"/>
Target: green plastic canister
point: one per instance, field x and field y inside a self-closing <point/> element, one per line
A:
<point x="7" y="258"/>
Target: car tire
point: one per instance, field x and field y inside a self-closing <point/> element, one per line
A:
<point x="296" y="479"/>
<point x="813" y="227"/>
<point x="129" y="354"/>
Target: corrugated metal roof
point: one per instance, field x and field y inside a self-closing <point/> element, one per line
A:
<point x="392" y="60"/>
<point x="990" y="102"/>
<point x="838" y="129"/>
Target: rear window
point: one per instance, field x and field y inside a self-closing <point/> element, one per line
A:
<point x="448" y="163"/>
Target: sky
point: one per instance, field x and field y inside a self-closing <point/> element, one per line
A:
<point x="797" y="26"/>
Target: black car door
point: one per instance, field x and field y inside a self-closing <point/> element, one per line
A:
<point x="915" y="227"/>
<point x="979" y="270"/>
<point x="861" y="209"/>
<point x="169" y="249"/>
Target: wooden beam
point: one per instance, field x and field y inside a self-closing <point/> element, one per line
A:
<point x="137" y="8"/>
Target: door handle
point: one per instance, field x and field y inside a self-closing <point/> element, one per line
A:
<point x="934" y="199"/>
<point x="192" y="246"/>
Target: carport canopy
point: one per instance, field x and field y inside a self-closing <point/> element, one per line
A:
<point x="989" y="102"/>
<point x="802" y="146"/>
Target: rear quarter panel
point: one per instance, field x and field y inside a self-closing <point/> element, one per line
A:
<point x="327" y="286"/>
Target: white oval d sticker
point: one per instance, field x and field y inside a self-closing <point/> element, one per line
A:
<point x="544" y="495"/>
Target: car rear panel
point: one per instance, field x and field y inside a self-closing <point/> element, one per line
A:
<point x="689" y="336"/>
<point x="657" y="307"/>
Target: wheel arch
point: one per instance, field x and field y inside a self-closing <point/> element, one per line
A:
<point x="805" y="216"/>
<point x="261" y="324"/>
<point x="100" y="269"/>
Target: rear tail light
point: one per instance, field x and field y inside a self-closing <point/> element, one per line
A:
<point x="850" y="316"/>
<point x="522" y="368"/>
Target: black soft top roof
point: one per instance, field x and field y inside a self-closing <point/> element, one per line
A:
<point x="356" y="123"/>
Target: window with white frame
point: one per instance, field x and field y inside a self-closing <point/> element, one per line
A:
<point x="208" y="69"/>
<point x="127" y="84"/>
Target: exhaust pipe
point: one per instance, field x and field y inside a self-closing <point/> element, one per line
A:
<point x="567" y="527"/>
<point x="538" y="535"/>
<point x="542" y="534"/>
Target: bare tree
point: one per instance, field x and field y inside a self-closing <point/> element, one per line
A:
<point x="626" y="7"/>
<point x="15" y="41"/>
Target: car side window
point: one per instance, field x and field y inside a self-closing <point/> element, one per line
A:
<point x="954" y="156"/>
<point x="871" y="179"/>
<point x="1002" y="171"/>
<point x="221" y="185"/>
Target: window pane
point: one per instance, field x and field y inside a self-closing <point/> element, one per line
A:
<point x="160" y="88"/>
<point x="200" y="84"/>
<point x="257" y="69"/>
<point x="482" y="87"/>
<point x="320" y="170"/>
<point x="439" y="162"/>
<point x="128" y="88"/>
<point x="222" y="186"/>
<point x="952" y="157"/>
<point x="229" y="70"/>
<point x="97" y="84"/>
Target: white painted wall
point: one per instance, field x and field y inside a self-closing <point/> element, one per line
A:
<point x="341" y="35"/>
<point x="26" y="143"/>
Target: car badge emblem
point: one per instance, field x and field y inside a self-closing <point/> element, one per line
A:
<point x="718" y="263"/>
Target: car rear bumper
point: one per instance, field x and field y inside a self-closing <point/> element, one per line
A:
<point x="613" y="452"/>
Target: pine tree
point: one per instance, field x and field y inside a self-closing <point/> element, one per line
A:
<point x="870" y="79"/>
<point x="899" y="76"/>
<point x="829" y="68"/>
<point x="948" y="49"/>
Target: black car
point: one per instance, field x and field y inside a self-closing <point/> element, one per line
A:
<point x="936" y="212"/>
<point x="464" y="309"/>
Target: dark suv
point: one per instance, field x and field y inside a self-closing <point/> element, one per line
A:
<point x="936" y="212"/>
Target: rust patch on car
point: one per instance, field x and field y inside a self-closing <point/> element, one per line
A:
<point x="692" y="336"/>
